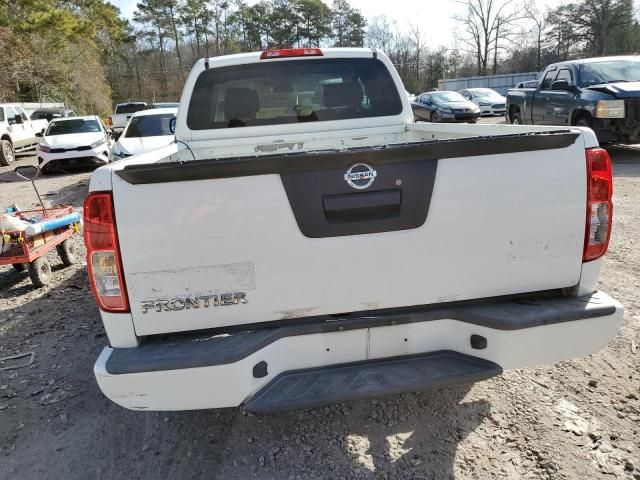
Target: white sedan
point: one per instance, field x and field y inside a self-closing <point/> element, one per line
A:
<point x="147" y="130"/>
<point x="73" y="143"/>
<point x="489" y="101"/>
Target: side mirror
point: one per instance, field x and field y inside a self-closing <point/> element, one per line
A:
<point x="18" y="119"/>
<point x="39" y="134"/>
<point x="28" y="172"/>
<point x="561" y="86"/>
<point x="172" y="125"/>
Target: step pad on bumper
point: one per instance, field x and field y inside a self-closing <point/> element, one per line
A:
<point x="316" y="387"/>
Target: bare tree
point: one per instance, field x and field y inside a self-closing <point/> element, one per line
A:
<point x="486" y="23"/>
<point x="539" y="24"/>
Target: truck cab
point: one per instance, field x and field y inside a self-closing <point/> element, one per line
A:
<point x="599" y="93"/>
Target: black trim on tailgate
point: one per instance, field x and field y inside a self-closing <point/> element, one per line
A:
<point x="215" y="348"/>
<point x="337" y="159"/>
<point x="324" y="205"/>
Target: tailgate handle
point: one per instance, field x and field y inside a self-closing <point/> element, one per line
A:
<point x="355" y="207"/>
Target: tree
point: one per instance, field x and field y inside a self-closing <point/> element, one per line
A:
<point x="153" y="14"/>
<point x="58" y="50"/>
<point x="539" y="24"/>
<point x="314" y="19"/>
<point x="283" y="24"/>
<point x="348" y="25"/>
<point x="485" y="23"/>
<point x="593" y="24"/>
<point x="379" y="34"/>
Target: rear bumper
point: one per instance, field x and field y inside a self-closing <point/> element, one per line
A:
<point x="215" y="371"/>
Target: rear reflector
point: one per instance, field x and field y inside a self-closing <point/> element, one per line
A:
<point x="103" y="253"/>
<point x="291" y="52"/>
<point x="110" y="121"/>
<point x="599" y="205"/>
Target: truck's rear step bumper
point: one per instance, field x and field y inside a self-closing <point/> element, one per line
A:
<point x="316" y="387"/>
<point x="208" y="371"/>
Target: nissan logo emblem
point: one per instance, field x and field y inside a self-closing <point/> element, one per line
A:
<point x="360" y="176"/>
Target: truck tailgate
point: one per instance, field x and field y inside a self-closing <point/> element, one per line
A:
<point x="217" y="243"/>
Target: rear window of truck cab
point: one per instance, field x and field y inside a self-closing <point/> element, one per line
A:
<point x="130" y="108"/>
<point x="292" y="91"/>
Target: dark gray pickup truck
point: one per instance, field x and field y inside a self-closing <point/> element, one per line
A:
<point x="600" y="93"/>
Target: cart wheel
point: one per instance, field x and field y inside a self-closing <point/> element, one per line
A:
<point x="18" y="267"/>
<point x="68" y="252"/>
<point x="40" y="272"/>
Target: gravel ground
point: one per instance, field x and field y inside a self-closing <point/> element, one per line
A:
<point x="578" y="419"/>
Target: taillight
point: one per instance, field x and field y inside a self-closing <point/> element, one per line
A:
<point x="103" y="253"/>
<point x="110" y="121"/>
<point x="599" y="206"/>
<point x="291" y="52"/>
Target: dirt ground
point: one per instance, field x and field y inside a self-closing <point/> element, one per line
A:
<point x="579" y="419"/>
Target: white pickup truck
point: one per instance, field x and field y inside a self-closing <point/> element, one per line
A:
<point x="122" y="114"/>
<point x="305" y="243"/>
<point x="17" y="132"/>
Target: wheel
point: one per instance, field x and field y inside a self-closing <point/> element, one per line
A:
<point x="19" y="267"/>
<point x="472" y="121"/>
<point x="516" y="119"/>
<point x="40" y="272"/>
<point x="7" y="156"/>
<point x="68" y="252"/>
<point x="584" y="121"/>
<point x="434" y="117"/>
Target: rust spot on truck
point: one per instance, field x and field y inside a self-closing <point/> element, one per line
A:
<point x="278" y="145"/>
<point x="296" y="313"/>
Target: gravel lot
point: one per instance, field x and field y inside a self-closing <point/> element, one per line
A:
<point x="579" y="419"/>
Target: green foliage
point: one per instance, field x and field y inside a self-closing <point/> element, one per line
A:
<point x="593" y="27"/>
<point x="57" y="51"/>
<point x="348" y="25"/>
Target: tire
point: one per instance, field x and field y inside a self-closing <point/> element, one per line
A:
<point x="516" y="119"/>
<point x="18" y="267"/>
<point x="7" y="155"/>
<point x="68" y="252"/>
<point x="40" y="272"/>
<point x="584" y="121"/>
<point x="472" y="121"/>
<point x="434" y="117"/>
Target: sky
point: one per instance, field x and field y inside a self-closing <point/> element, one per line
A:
<point x="434" y="16"/>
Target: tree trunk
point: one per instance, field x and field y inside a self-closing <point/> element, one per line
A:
<point x="176" y="38"/>
<point x="495" y="51"/>
<point x="197" y="34"/>
<point x="538" y="66"/>
<point x="163" y="66"/>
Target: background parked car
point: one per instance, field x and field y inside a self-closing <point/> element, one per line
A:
<point x="17" y="132"/>
<point x="49" y="114"/>
<point x="147" y="130"/>
<point x="122" y="114"/>
<point x="74" y="143"/>
<point x="489" y="101"/>
<point x="444" y="106"/>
